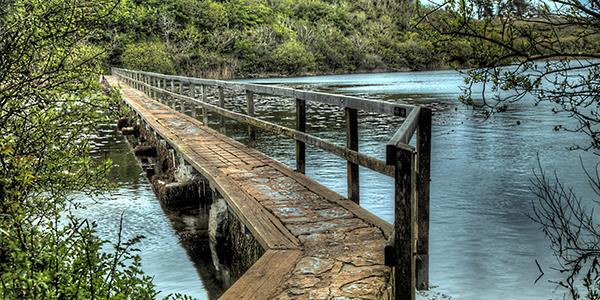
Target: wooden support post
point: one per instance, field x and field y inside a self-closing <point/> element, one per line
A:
<point x="352" y="144"/>
<point x="204" y="111"/>
<point x="250" y="111"/>
<point x="221" y="105"/>
<point x="404" y="269"/>
<point x="159" y="94"/>
<point x="423" y="178"/>
<point x="152" y="84"/>
<point x="300" y="126"/>
<point x="146" y="81"/>
<point x="193" y="95"/>
<point x="181" y="102"/>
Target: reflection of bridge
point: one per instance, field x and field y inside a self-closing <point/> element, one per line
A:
<point x="315" y="243"/>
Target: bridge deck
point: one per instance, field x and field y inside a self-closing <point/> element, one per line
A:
<point x="318" y="244"/>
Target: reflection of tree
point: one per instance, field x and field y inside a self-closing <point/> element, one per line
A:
<point x="570" y="226"/>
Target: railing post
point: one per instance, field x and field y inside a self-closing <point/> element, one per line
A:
<point x="423" y="178"/>
<point x="204" y="111"/>
<point x="146" y="89"/>
<point x="193" y="95"/>
<point x="250" y="111"/>
<point x="352" y="144"/>
<point x="404" y="268"/>
<point x="159" y="94"/>
<point x="181" y="102"/>
<point x="221" y="105"/>
<point x="152" y="84"/>
<point x="300" y="126"/>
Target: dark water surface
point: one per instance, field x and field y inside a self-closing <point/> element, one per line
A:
<point x="483" y="245"/>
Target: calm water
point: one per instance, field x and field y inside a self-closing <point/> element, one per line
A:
<point x="163" y="257"/>
<point x="483" y="246"/>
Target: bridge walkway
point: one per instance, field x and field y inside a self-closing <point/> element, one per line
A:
<point x="318" y="244"/>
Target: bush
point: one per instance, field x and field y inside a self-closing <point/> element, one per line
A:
<point x="291" y="57"/>
<point x="149" y="56"/>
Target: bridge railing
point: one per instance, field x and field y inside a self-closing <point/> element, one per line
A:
<point x="408" y="165"/>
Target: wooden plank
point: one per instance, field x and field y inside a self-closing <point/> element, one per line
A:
<point x="264" y="278"/>
<point x="423" y="179"/>
<point x="352" y="144"/>
<point x="300" y="126"/>
<point x="404" y="269"/>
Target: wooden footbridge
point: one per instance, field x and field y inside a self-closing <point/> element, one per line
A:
<point x="317" y="244"/>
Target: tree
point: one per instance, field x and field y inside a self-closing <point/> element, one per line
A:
<point x="291" y="57"/>
<point x="50" y="100"/>
<point x="150" y="56"/>
<point x="552" y="57"/>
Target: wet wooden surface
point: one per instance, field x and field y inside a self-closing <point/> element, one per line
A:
<point x="319" y="245"/>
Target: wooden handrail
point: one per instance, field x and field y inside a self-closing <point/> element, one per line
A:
<point x="362" y="104"/>
<point x="408" y="165"/>
<point x="343" y="152"/>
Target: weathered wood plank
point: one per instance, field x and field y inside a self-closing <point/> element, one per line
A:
<point x="263" y="279"/>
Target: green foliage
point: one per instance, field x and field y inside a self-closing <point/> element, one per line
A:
<point x="237" y="38"/>
<point x="291" y="57"/>
<point x="149" y="56"/>
<point x="50" y="102"/>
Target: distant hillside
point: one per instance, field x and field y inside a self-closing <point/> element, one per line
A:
<point x="242" y="38"/>
<point x="251" y="38"/>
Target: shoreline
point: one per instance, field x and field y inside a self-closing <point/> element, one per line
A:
<point x="310" y="74"/>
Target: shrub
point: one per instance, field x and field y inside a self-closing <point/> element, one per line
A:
<point x="291" y="57"/>
<point x="149" y="56"/>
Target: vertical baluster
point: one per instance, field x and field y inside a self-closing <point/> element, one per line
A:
<point x="352" y="144"/>
<point x="204" y="110"/>
<point x="193" y="95"/>
<point x="222" y="105"/>
<point x="300" y="126"/>
<point x="250" y="111"/>
<point x="181" y="102"/>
